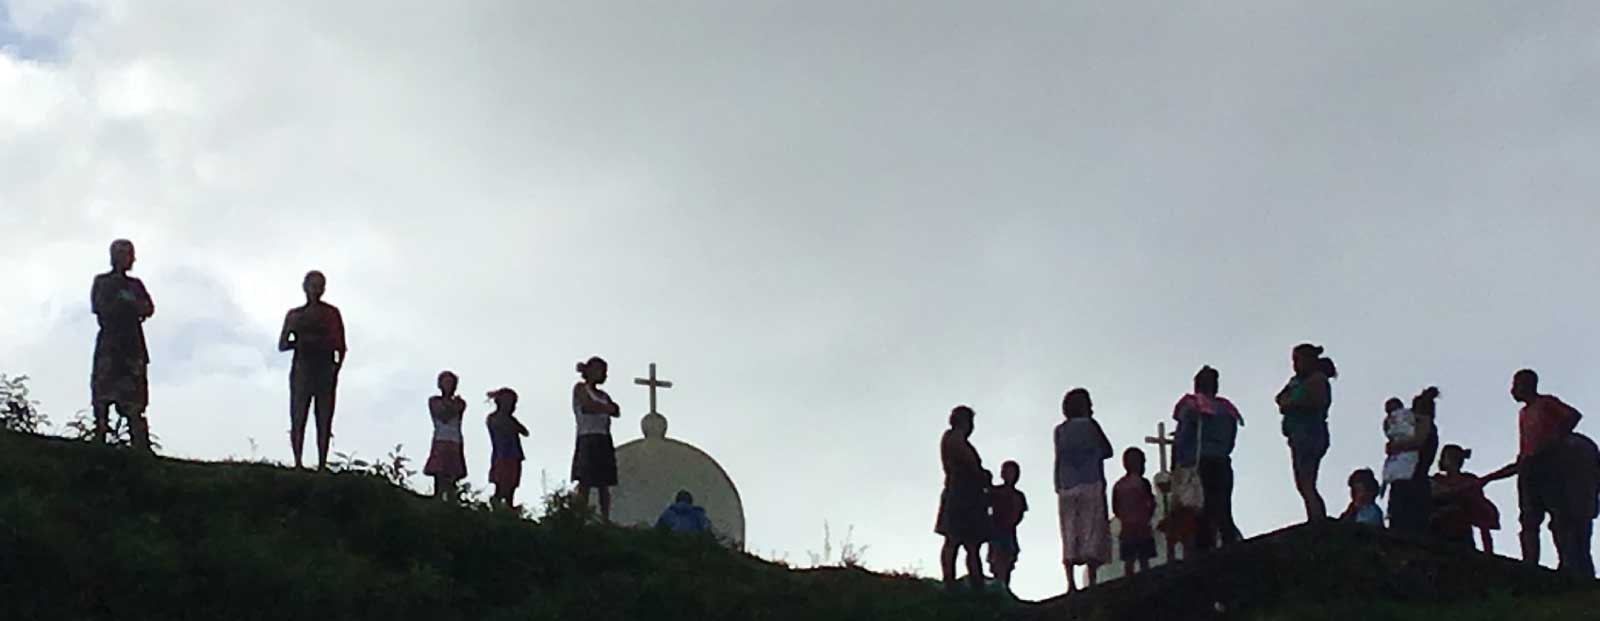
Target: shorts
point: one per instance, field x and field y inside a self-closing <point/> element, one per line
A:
<point x="1308" y="444"/>
<point x="594" y="461"/>
<point x="122" y="380"/>
<point x="1004" y="542"/>
<point x="506" y="472"/>
<point x="1085" y="524"/>
<point x="1136" y="549"/>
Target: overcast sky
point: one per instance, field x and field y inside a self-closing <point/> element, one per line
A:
<point x="828" y="222"/>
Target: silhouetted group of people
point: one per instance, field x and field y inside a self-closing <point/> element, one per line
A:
<point x="1558" y="473"/>
<point x="315" y="333"/>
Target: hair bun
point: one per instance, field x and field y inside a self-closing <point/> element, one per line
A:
<point x="581" y="365"/>
<point x="1466" y="453"/>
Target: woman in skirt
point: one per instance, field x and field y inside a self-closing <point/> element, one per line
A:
<point x="447" y="462"/>
<point x="594" y="459"/>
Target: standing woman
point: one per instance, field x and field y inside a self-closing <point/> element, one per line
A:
<point x="1081" y="451"/>
<point x="594" y="459"/>
<point x="1208" y="425"/>
<point x="1411" y="497"/>
<point x="963" y="518"/>
<point x="1304" y="403"/>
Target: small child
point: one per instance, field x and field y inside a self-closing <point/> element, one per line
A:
<point x="1459" y="502"/>
<point x="505" y="436"/>
<point x="1399" y="425"/>
<point x="1363" y="507"/>
<point x="447" y="462"/>
<point x="1008" y="504"/>
<point x="1134" y="504"/>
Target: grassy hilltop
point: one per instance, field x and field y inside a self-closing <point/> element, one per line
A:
<point x="89" y="532"/>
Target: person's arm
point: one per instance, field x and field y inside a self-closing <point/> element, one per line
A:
<point x="1506" y="472"/>
<point x="284" y="342"/>
<point x="1106" y="452"/>
<point x="339" y="349"/>
<point x="1285" y="397"/>
<point x="145" y="306"/>
<point x="522" y="430"/>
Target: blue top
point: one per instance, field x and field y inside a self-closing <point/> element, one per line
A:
<point x="1212" y="421"/>
<point x="1081" y="451"/>
<point x="1370" y="515"/>
<point x="505" y="436"/>
<point x="683" y="517"/>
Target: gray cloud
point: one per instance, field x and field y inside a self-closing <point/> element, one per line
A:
<point x="828" y="222"/>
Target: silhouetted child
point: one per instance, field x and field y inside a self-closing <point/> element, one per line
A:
<point x="505" y="435"/>
<point x="447" y="461"/>
<point x="1008" y="504"/>
<point x="1134" y="504"/>
<point x="1363" y="507"/>
<point x="1459" y="503"/>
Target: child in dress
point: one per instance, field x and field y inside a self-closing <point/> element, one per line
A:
<point x="1459" y="503"/>
<point x="505" y="436"/>
<point x="1008" y="504"/>
<point x="1363" y="507"/>
<point x="1134" y="504"/>
<point x="447" y="461"/>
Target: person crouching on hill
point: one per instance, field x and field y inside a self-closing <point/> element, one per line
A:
<point x="505" y="438"/>
<point x="1363" y="507"/>
<point x="683" y="516"/>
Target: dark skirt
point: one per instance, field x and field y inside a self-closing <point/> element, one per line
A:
<point x="506" y="472"/>
<point x="594" y="461"/>
<point x="964" y="515"/>
<point x="119" y="379"/>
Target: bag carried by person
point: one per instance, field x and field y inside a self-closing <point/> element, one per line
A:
<point x="1187" y="489"/>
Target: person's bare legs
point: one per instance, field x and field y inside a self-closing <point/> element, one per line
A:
<point x="1128" y="568"/>
<point x="1072" y="580"/>
<point x="1488" y="541"/>
<point x="438" y="486"/>
<point x="299" y="411"/>
<point x="583" y="495"/>
<point x="1144" y="565"/>
<point x="102" y="422"/>
<point x="947" y="562"/>
<point x="605" y="504"/>
<point x="1305" y="481"/>
<point x="1001" y="566"/>
<point x="324" y="411"/>
<point x="1094" y="569"/>
<point x="138" y="426"/>
<point x="974" y="566"/>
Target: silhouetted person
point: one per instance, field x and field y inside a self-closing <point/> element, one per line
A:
<point x="1133" y="502"/>
<point x="683" y="516"/>
<point x="1208" y="426"/>
<point x="121" y="305"/>
<point x="963" y="504"/>
<point x="1544" y="426"/>
<point x="1459" y="503"/>
<point x="1081" y="451"/>
<point x="1363" y="507"/>
<point x="505" y="441"/>
<point x="1304" y="403"/>
<point x="1411" y="495"/>
<point x="315" y="332"/>
<point x="594" y="458"/>
<point x="447" y="460"/>
<point x="1009" y="504"/>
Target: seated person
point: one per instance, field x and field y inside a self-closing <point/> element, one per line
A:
<point x="684" y="517"/>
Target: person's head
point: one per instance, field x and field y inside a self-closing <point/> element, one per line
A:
<point x="963" y="419"/>
<point x="684" y="497"/>
<point x="1205" y="382"/>
<point x="1076" y="404"/>
<point x="315" y="284"/>
<point x="1452" y="458"/>
<point x="1394" y="403"/>
<point x="1010" y="472"/>
<point x="1425" y="403"/>
<point x="505" y="400"/>
<point x="1363" y="487"/>
<point x="1133" y="461"/>
<point x="593" y="370"/>
<point x="448" y="382"/>
<point x="1308" y="359"/>
<point x="1525" y="385"/>
<point x="122" y="255"/>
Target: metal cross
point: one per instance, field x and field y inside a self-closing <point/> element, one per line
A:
<point x="654" y="383"/>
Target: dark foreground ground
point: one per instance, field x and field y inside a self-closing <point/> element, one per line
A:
<point x="94" y="533"/>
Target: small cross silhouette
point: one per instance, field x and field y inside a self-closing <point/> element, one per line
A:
<point x="653" y="384"/>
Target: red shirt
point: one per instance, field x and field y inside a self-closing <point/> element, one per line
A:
<point x="1543" y="420"/>
<point x="1009" y="504"/>
<point x="1134" y="504"/>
